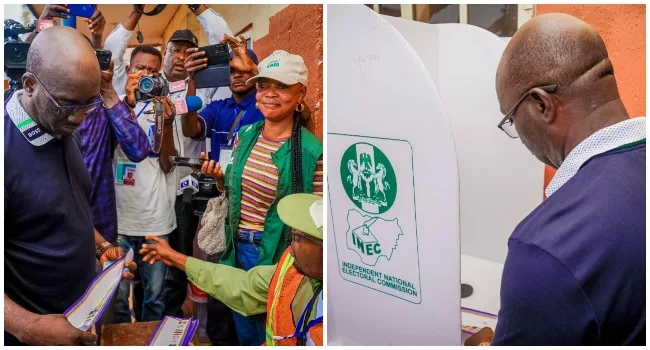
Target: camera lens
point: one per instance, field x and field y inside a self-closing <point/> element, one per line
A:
<point x="17" y="54"/>
<point x="146" y="85"/>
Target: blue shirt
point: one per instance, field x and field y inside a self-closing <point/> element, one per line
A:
<point x="575" y="271"/>
<point x="49" y="250"/>
<point x="218" y="117"/>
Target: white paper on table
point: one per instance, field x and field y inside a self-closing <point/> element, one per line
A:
<point x="473" y="320"/>
<point x="89" y="308"/>
<point x="174" y="331"/>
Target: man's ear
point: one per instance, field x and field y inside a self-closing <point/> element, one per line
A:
<point x="128" y="69"/>
<point x="28" y="83"/>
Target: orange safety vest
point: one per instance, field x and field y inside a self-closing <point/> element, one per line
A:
<point x="279" y="316"/>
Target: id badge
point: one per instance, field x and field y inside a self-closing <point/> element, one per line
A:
<point x="125" y="173"/>
<point x="225" y="149"/>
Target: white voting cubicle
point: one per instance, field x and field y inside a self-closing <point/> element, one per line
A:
<point x="499" y="181"/>
<point x="393" y="224"/>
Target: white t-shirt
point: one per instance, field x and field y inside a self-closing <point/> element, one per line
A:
<point x="145" y="194"/>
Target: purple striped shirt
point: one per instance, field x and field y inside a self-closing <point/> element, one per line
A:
<point x="99" y="134"/>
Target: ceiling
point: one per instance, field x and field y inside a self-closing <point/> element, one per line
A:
<point x="152" y="28"/>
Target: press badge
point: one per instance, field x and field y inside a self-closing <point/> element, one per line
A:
<point x="125" y="172"/>
<point x="225" y="149"/>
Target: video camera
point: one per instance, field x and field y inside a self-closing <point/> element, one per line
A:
<point x="15" y="52"/>
<point x="150" y="86"/>
<point x="217" y="73"/>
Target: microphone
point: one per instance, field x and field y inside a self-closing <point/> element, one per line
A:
<point x="188" y="105"/>
<point x="188" y="187"/>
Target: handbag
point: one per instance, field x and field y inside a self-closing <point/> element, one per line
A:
<point x="212" y="235"/>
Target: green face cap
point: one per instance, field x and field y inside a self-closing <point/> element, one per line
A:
<point x="303" y="212"/>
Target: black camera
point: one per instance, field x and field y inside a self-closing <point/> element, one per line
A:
<point x="207" y="191"/>
<point x="217" y="73"/>
<point x="151" y="86"/>
<point x="15" y="52"/>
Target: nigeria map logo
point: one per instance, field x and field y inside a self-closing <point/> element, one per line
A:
<point x="372" y="237"/>
<point x="368" y="178"/>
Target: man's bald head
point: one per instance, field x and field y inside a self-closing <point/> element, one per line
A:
<point x="561" y="50"/>
<point x="65" y="64"/>
<point x="553" y="49"/>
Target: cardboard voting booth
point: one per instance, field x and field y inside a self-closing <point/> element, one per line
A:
<point x="392" y="80"/>
<point x="393" y="225"/>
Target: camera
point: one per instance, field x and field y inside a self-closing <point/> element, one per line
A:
<point x="217" y="73"/>
<point x="104" y="58"/>
<point x="15" y="52"/>
<point x="151" y="86"/>
<point x="207" y="191"/>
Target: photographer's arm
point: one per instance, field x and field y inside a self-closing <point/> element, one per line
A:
<point x="213" y="24"/>
<point x="118" y="41"/>
<point x="96" y="25"/>
<point x="167" y="148"/>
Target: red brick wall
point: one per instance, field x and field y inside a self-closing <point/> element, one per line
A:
<point x="298" y="29"/>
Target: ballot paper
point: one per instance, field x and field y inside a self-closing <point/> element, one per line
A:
<point x="174" y="331"/>
<point x="474" y="320"/>
<point x="89" y="308"/>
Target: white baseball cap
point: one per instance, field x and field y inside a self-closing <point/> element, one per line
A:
<point x="284" y="67"/>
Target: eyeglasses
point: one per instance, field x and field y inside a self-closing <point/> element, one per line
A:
<point x="298" y="236"/>
<point x="507" y="124"/>
<point x="97" y="100"/>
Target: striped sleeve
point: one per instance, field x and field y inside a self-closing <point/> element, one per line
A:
<point x="318" y="177"/>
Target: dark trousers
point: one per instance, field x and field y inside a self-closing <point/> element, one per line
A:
<point x="221" y="323"/>
<point x="181" y="240"/>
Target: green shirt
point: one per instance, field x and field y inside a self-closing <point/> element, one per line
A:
<point x="246" y="292"/>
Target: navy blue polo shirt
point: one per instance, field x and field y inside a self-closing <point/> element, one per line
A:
<point x="575" y="272"/>
<point x="49" y="251"/>
<point x="218" y="116"/>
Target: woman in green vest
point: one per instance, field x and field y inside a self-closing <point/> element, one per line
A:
<point x="271" y="159"/>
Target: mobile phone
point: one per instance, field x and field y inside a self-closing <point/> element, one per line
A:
<point x="183" y="161"/>
<point x="104" y="58"/>
<point x="85" y="11"/>
<point x="216" y="54"/>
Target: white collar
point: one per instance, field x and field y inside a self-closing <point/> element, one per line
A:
<point x="25" y="124"/>
<point x="604" y="140"/>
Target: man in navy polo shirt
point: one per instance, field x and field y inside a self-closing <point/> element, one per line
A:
<point x="50" y="242"/>
<point x="575" y="271"/>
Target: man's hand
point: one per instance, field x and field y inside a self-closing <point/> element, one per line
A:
<point x="169" y="114"/>
<point x="213" y="170"/>
<point x="160" y="251"/>
<point x="109" y="95"/>
<point x="96" y="23"/>
<point x="55" y="330"/>
<point x="131" y="87"/>
<point x="240" y="60"/>
<point x="51" y="11"/>
<point x="193" y="61"/>
<point x="114" y="253"/>
<point x="482" y="337"/>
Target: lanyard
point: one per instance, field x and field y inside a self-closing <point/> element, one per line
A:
<point x="142" y="110"/>
<point x="300" y="333"/>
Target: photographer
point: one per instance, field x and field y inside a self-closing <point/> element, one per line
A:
<point x="50" y="244"/>
<point x="96" y="23"/>
<point x="146" y="190"/>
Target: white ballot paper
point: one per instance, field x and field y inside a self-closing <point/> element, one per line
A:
<point x="474" y="320"/>
<point x="174" y="331"/>
<point x="89" y="308"/>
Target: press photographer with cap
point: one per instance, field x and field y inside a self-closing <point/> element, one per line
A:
<point x="173" y="71"/>
<point x="290" y="292"/>
<point x="50" y="243"/>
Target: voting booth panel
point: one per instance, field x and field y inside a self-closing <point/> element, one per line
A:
<point x="393" y="212"/>
<point x="501" y="182"/>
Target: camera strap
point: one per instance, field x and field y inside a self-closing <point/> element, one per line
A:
<point x="158" y="9"/>
<point x="234" y="125"/>
<point x="159" y="111"/>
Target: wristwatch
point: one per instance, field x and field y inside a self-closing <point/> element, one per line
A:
<point x="102" y="249"/>
<point x="193" y="7"/>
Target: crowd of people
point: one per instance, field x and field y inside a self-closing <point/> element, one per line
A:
<point x="84" y="134"/>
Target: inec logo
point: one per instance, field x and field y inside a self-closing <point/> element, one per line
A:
<point x="368" y="178"/>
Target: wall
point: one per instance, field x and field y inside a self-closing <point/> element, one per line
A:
<point x="623" y="30"/>
<point x="297" y="29"/>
